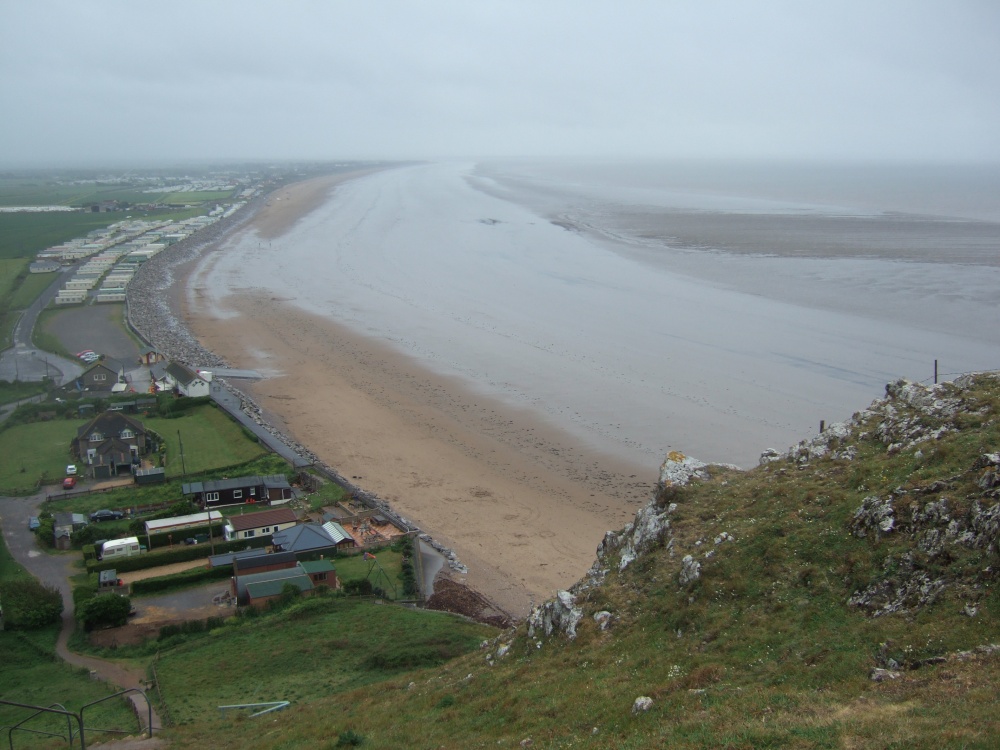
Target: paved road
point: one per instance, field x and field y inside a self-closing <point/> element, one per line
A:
<point x="23" y="361"/>
<point x="55" y="570"/>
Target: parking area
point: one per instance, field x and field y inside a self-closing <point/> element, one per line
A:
<point x="96" y="327"/>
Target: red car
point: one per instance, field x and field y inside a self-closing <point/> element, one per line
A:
<point x="69" y="483"/>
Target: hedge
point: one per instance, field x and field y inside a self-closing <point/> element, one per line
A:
<point x="176" y="554"/>
<point x="177" y="580"/>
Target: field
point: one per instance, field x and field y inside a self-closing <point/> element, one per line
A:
<point x="319" y="646"/>
<point x="211" y="440"/>
<point x="41" y="450"/>
<point x="33" y="452"/>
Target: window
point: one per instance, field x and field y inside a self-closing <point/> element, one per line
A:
<point x="253" y="491"/>
<point x="266" y="530"/>
<point x="319" y="577"/>
<point x="248" y="534"/>
<point x="96" y="437"/>
<point x="237" y="494"/>
<point x="127" y="433"/>
<point x="99" y="376"/>
<point x="211" y="497"/>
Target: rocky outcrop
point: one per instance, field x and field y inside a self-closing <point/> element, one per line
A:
<point x="559" y="614"/>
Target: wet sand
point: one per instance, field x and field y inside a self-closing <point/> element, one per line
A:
<point x="523" y="504"/>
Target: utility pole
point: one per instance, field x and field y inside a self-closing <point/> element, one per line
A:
<point x="183" y="467"/>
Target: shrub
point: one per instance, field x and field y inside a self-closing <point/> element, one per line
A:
<point x="107" y="610"/>
<point x="29" y="605"/>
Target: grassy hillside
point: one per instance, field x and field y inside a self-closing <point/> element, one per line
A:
<point x="840" y="595"/>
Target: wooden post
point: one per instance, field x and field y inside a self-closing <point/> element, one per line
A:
<point x="935" y="372"/>
<point x="822" y="425"/>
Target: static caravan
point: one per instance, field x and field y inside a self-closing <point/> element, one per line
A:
<point x="127" y="547"/>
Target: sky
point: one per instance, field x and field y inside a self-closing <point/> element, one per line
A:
<point x="118" y="81"/>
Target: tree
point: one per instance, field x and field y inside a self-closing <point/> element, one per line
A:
<point x="28" y="604"/>
<point x="107" y="610"/>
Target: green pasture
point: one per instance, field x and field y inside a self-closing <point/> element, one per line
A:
<point x="210" y="438"/>
<point x="24" y="235"/>
<point x="318" y="646"/>
<point x="19" y="389"/>
<point x="33" y="452"/>
<point x="10" y="270"/>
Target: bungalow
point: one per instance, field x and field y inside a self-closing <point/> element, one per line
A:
<point x="256" y="589"/>
<point x="216" y="493"/>
<point x="305" y="537"/>
<point x="187" y="382"/>
<point x="341" y="537"/>
<point x="253" y="525"/>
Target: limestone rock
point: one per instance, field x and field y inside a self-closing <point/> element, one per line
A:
<point x="874" y="515"/>
<point x="603" y="619"/>
<point x="690" y="571"/>
<point x="559" y="614"/>
<point x="642" y="704"/>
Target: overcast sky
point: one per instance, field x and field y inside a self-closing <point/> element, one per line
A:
<point x="126" y="81"/>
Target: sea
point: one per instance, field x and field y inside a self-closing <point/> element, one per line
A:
<point x="717" y="309"/>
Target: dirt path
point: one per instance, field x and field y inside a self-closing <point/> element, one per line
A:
<point x="162" y="570"/>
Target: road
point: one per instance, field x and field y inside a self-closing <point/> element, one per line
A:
<point x="55" y="570"/>
<point x="23" y="361"/>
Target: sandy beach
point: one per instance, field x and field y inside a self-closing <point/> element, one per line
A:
<point x="523" y="504"/>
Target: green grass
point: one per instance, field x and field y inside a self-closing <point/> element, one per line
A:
<point x="24" y="235"/>
<point x="317" y="647"/>
<point x="10" y="270"/>
<point x="32" y="674"/>
<point x="211" y="441"/>
<point x="761" y="651"/>
<point x="34" y="452"/>
<point x="18" y="390"/>
<point x="32" y="286"/>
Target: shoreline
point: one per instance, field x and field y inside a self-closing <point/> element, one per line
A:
<point x="523" y="505"/>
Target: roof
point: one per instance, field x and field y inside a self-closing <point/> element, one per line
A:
<point x="268" y="576"/>
<point x="337" y="532"/>
<point x="65" y="518"/>
<point x="243" y="564"/>
<point x="182" y="374"/>
<point x="228" y="558"/>
<point x="214" y="485"/>
<point x="302" y="538"/>
<point x="165" y="523"/>
<point x="317" y="566"/>
<point x="263" y="589"/>
<point x="263" y="518"/>
<point x="108" y="422"/>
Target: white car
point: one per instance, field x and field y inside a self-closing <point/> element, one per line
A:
<point x="71" y="470"/>
<point x="90" y="358"/>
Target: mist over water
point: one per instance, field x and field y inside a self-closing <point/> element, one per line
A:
<point x="653" y="307"/>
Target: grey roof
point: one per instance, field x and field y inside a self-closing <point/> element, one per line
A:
<point x="214" y="485"/>
<point x="183" y="375"/>
<point x="337" y="532"/>
<point x="303" y="538"/>
<point x="216" y="561"/>
<point x="271" y="575"/>
<point x="261" y="589"/>
<point x="262" y="561"/>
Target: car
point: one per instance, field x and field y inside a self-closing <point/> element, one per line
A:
<point x="69" y="483"/>
<point x="106" y="515"/>
<point x="33" y="523"/>
<point x="91" y="358"/>
<point x="84" y="353"/>
<point x="71" y="470"/>
<point x="190" y="540"/>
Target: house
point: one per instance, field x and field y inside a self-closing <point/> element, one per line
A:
<point x="216" y="493"/>
<point x="179" y="524"/>
<point x="111" y="444"/>
<point x="264" y="523"/>
<point x="64" y="524"/>
<point x="305" y="537"/>
<point x="106" y="376"/>
<point x="264" y="563"/>
<point x="187" y="382"/>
